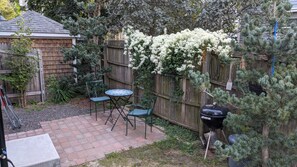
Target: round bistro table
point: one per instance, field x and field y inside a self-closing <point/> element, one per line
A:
<point x="117" y="96"/>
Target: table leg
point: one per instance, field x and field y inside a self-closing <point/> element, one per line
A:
<point x="109" y="116"/>
<point x="115" y="122"/>
<point x="120" y="110"/>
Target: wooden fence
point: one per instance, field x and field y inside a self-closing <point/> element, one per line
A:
<point x="186" y="112"/>
<point x="36" y="88"/>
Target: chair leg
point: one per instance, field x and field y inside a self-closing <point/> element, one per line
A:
<point x="90" y="108"/>
<point x="96" y="110"/>
<point x="127" y="125"/>
<point x="134" y="123"/>
<point x="145" y="128"/>
<point x="151" y="124"/>
<point x="104" y="107"/>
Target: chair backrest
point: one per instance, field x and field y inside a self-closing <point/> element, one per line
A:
<point x="95" y="88"/>
<point x="152" y="105"/>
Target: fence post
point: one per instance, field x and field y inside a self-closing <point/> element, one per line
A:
<point x="41" y="76"/>
<point x="183" y="108"/>
<point x="105" y="56"/>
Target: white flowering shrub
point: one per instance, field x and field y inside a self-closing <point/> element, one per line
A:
<point x="138" y="48"/>
<point x="175" y="54"/>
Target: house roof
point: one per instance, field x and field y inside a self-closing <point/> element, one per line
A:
<point x="38" y="24"/>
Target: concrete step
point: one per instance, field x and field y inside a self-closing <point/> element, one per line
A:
<point x="35" y="151"/>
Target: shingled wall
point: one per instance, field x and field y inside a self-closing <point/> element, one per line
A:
<point x="52" y="56"/>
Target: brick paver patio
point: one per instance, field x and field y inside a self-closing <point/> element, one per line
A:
<point x="80" y="139"/>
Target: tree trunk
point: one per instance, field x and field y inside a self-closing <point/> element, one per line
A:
<point x="96" y="39"/>
<point x="25" y="98"/>
<point x="22" y="99"/>
<point x="265" y="150"/>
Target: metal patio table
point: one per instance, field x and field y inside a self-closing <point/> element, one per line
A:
<point x="116" y="97"/>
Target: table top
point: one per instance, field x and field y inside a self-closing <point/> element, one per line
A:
<point x="118" y="92"/>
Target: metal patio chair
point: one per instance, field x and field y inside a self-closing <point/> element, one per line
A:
<point x="140" y="111"/>
<point x="95" y="90"/>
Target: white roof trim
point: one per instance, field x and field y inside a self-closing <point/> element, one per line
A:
<point x="38" y="35"/>
<point x="294" y="10"/>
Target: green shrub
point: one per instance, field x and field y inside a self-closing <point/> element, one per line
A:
<point x="61" y="89"/>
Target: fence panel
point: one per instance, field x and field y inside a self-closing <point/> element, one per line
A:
<point x="35" y="89"/>
<point x="120" y="75"/>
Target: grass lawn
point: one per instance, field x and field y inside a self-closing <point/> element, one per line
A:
<point x="181" y="148"/>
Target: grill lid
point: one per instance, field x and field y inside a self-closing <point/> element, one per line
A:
<point x="214" y="110"/>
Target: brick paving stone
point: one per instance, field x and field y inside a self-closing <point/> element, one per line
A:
<point x="97" y="144"/>
<point x="80" y="160"/>
<point x="21" y="133"/>
<point x="90" y="139"/>
<point x="91" y="158"/>
<point x="22" y="136"/>
<point x="88" y="134"/>
<point x="65" y="144"/>
<point x="78" y="148"/>
<point x="74" y="143"/>
<point x="62" y="140"/>
<point x="69" y="150"/>
<point x="39" y="131"/>
<point x="83" y="141"/>
<point x="87" y="146"/>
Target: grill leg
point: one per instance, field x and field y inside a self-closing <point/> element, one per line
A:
<point x="208" y="140"/>
<point x="224" y="135"/>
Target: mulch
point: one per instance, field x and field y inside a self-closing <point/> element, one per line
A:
<point x="32" y="115"/>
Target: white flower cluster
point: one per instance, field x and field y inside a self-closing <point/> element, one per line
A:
<point x="139" y="43"/>
<point x="186" y="46"/>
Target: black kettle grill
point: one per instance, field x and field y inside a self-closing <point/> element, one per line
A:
<point x="213" y="116"/>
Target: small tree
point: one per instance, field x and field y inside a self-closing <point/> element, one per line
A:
<point x="266" y="103"/>
<point x="88" y="52"/>
<point x="22" y="66"/>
